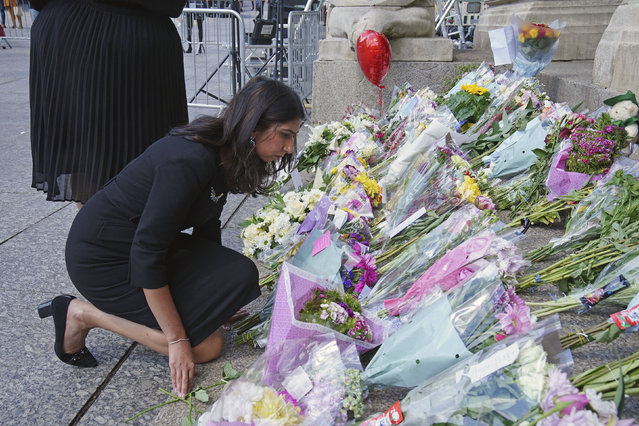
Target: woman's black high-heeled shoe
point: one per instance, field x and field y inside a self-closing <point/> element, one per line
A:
<point x="58" y="308"/>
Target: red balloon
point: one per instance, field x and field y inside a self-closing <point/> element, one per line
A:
<point x="373" y="56"/>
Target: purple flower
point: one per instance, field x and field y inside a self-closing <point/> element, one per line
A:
<point x="514" y="319"/>
<point x="558" y="385"/>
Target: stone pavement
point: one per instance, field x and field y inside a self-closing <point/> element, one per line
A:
<point x="37" y="389"/>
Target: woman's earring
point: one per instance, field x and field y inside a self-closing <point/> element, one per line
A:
<point x="252" y="142"/>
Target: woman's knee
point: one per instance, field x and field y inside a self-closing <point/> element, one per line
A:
<point x="209" y="349"/>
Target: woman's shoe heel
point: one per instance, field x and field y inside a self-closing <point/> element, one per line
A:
<point x="45" y="310"/>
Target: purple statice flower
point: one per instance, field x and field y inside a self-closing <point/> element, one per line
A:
<point x="350" y="171"/>
<point x="514" y="319"/>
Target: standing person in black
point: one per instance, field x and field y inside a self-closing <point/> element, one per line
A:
<point x="199" y="18"/>
<point x="143" y="277"/>
<point x="106" y="81"/>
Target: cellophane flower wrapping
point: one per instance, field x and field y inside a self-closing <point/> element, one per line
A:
<point x="308" y="381"/>
<point x="408" y="265"/>
<point x="585" y="219"/>
<point x="497" y="385"/>
<point x="430" y="184"/>
<point x="294" y="288"/>
<point x="441" y="331"/>
<point x="536" y="45"/>
<point x="457" y="266"/>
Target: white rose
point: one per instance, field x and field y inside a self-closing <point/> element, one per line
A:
<point x="250" y="232"/>
<point x="296" y="208"/>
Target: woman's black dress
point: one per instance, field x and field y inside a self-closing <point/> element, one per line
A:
<point x="106" y="81"/>
<point x="128" y="237"/>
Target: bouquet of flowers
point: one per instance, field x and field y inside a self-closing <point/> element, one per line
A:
<point x="497" y="385"/>
<point x="271" y="232"/>
<point x="430" y="186"/>
<point x="536" y="45"/>
<point x="406" y="266"/>
<point x="339" y="311"/>
<point x="476" y="315"/>
<point x="587" y="155"/>
<point x="469" y="104"/>
<point x="290" y="319"/>
<point x="302" y="381"/>
<point x="562" y="403"/>
<point x="457" y="266"/>
<point x="324" y="138"/>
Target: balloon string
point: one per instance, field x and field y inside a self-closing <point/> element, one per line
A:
<point x="379" y="101"/>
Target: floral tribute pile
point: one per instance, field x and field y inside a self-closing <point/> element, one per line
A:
<point x="396" y="244"/>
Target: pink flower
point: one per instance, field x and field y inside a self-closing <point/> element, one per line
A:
<point x="514" y="319"/>
<point x="558" y="385"/>
<point x="484" y="203"/>
<point x="579" y="401"/>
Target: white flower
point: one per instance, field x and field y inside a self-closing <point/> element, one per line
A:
<point x="269" y="215"/>
<point x="251" y="232"/>
<point x="238" y="401"/>
<point x="310" y="198"/>
<point x="296" y="208"/>
<point x="604" y="408"/>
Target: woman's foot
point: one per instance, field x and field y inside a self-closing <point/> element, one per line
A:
<point x="240" y="314"/>
<point x="69" y="331"/>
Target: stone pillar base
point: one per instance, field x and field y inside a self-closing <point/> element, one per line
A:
<point x="338" y="84"/>
<point x="617" y="57"/>
<point x="426" y="49"/>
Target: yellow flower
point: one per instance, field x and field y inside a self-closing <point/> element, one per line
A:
<point x="468" y="190"/>
<point x="273" y="407"/>
<point x="371" y="187"/>
<point x="474" y="89"/>
<point x="333" y="171"/>
<point x="521" y="38"/>
<point x="534" y="32"/>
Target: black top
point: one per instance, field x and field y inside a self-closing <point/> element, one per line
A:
<point x="174" y="185"/>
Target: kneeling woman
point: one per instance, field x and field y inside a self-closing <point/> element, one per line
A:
<point x="143" y="277"/>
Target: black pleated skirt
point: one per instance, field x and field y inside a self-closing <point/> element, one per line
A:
<point x="208" y="282"/>
<point x="105" y="83"/>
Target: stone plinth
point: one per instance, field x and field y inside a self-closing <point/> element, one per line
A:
<point x="338" y="84"/>
<point x="586" y="21"/>
<point x="407" y="49"/>
<point x="617" y="57"/>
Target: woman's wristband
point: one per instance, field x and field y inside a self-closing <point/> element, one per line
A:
<point x="183" y="339"/>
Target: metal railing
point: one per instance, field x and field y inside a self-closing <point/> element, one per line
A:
<point x="303" y="49"/>
<point x="214" y="58"/>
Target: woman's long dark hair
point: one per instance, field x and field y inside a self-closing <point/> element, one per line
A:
<point x="260" y="104"/>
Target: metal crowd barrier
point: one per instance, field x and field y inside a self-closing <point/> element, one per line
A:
<point x="214" y="60"/>
<point x="303" y="49"/>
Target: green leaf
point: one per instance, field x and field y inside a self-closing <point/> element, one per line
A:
<point x="229" y="373"/>
<point x="186" y="421"/>
<point x="201" y="395"/>
<point x="245" y="223"/>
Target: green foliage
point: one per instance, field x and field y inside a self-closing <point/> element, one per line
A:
<point x="468" y="106"/>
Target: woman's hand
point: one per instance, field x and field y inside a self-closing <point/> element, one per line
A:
<point x="182" y="367"/>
